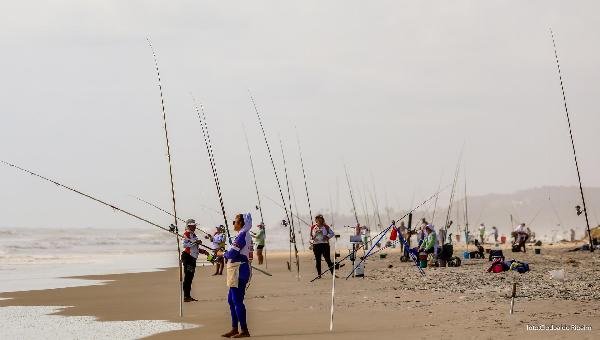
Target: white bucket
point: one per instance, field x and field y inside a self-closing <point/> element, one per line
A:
<point x="360" y="270"/>
<point x="558" y="274"/>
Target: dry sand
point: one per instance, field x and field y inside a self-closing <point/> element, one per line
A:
<point x="390" y="303"/>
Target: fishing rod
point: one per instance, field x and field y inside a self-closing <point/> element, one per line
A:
<point x="167" y="212"/>
<point x="171" y="229"/>
<point x="351" y="195"/>
<point x="436" y="200"/>
<point x="304" y="175"/>
<point x="357" y="230"/>
<point x="387" y="206"/>
<point x="554" y="210"/>
<point x="365" y="206"/>
<point x="207" y="142"/>
<point x="376" y="218"/>
<point x="384" y="232"/>
<point x="402" y="240"/>
<point x="466" y="208"/>
<point x="292" y="227"/>
<point x="564" y="98"/>
<point x="262" y="220"/>
<point x="331" y="208"/>
<point x="164" y="116"/>
<point x="376" y="203"/>
<point x="536" y="215"/>
<point x="293" y="215"/>
<point x="262" y="129"/>
<point x="452" y="192"/>
<point x="298" y="219"/>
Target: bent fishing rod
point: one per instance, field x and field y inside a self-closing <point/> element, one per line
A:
<point x="393" y="225"/>
<point x="564" y="98"/>
<point x="171" y="229"/>
<point x="168" y="145"/>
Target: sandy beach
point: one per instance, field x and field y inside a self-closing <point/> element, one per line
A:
<point x="389" y="303"/>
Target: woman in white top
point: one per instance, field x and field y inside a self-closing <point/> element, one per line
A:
<point x="320" y="233"/>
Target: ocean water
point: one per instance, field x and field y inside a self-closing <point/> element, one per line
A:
<point x="33" y="259"/>
<point x="47" y="258"/>
<point x="20" y="322"/>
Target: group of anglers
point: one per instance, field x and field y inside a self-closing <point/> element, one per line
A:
<point x="237" y="257"/>
<point x="433" y="242"/>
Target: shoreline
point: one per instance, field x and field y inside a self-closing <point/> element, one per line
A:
<point x="389" y="302"/>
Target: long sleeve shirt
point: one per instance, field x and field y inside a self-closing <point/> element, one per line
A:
<point x="218" y="241"/>
<point x="189" y="244"/>
<point x="240" y="249"/>
<point x="430" y="241"/>
<point x="260" y="237"/>
<point x="442" y="236"/>
<point x="320" y="235"/>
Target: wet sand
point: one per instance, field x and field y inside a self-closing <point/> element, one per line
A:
<point x="389" y="303"/>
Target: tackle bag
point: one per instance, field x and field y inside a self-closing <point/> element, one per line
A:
<point x="498" y="266"/>
<point x="496" y="253"/>
<point x="520" y="267"/>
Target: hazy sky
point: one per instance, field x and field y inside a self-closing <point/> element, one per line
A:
<point x="393" y="89"/>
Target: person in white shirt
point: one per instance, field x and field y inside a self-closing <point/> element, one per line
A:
<point x="481" y="233"/>
<point x="189" y="255"/>
<point x="320" y="233"/>
<point x="521" y="236"/>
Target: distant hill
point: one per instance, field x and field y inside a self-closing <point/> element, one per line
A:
<point x="549" y="212"/>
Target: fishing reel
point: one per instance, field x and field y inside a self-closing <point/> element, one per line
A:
<point x="173" y="229"/>
<point x="578" y="210"/>
<point x="284" y="223"/>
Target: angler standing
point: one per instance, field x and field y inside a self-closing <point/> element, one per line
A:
<point x="495" y="233"/>
<point x="188" y="258"/>
<point x="481" y="233"/>
<point x="238" y="275"/>
<point x="320" y="233"/>
<point x="260" y="242"/>
<point x="218" y="241"/>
